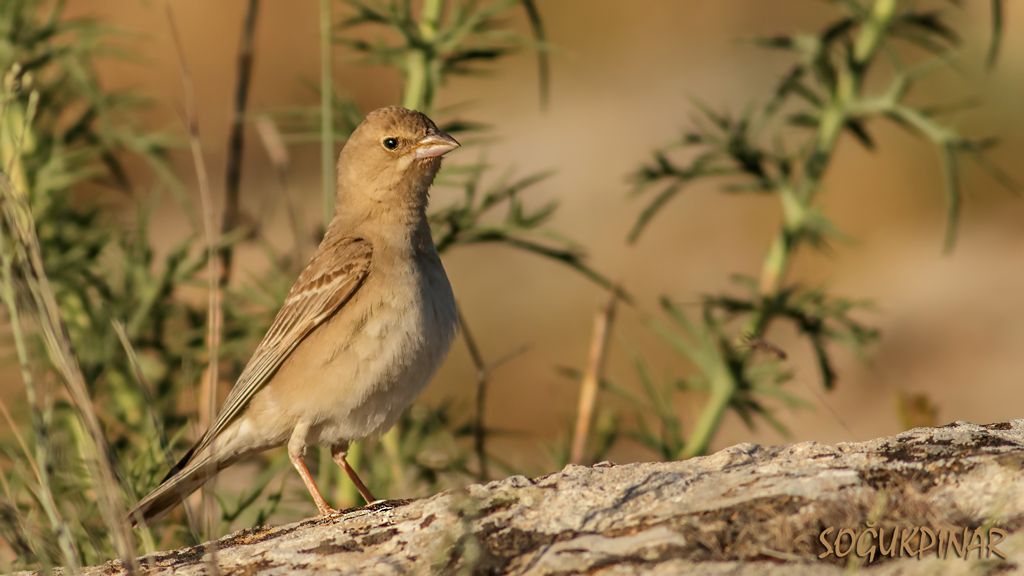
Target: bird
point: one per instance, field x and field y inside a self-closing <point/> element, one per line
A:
<point x="361" y="332"/>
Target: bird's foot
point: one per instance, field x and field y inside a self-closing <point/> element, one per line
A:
<point x="325" y="512"/>
<point x="382" y="505"/>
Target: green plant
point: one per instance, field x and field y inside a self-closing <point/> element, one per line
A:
<point x="784" y="149"/>
<point x="116" y="323"/>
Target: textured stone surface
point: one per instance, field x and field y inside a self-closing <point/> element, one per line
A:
<point x="745" y="510"/>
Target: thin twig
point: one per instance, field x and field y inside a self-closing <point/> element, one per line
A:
<point x="758" y="343"/>
<point x="211" y="377"/>
<point x="21" y="442"/>
<point x="490" y="368"/>
<point x="481" y="391"/>
<point x="483" y="372"/>
<point x="997" y="34"/>
<point x="328" y="178"/>
<point x="232" y="200"/>
<point x="327" y="159"/>
<point x="19" y="544"/>
<point x="591" y="378"/>
<point x="543" y="67"/>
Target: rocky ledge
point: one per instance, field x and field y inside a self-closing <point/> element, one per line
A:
<point x="944" y="500"/>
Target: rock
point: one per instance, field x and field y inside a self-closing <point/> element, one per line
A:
<point x="748" y="509"/>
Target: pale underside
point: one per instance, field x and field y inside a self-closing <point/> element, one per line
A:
<point x="356" y="373"/>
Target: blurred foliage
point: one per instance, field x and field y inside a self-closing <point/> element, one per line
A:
<point x="446" y="38"/>
<point x="784" y="149"/>
<point x="62" y="132"/>
<point x="135" y="323"/>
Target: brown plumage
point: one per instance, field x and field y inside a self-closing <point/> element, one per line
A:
<point x="361" y="332"/>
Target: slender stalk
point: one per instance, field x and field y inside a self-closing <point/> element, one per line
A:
<point x="415" y="80"/>
<point x="431" y="18"/>
<point x="795" y="204"/>
<point x="211" y="377"/>
<point x="723" y="387"/>
<point x="19" y="543"/>
<point x="997" y="33"/>
<point x="592" y="377"/>
<point x="483" y="374"/>
<point x="776" y="262"/>
<point x="543" y="68"/>
<point x="232" y="200"/>
<point x="420" y="61"/>
<point x="41" y="461"/>
<point x="834" y="118"/>
<point x="327" y="159"/>
<point x="20" y="224"/>
<point x="479" y="430"/>
<point x="3" y="407"/>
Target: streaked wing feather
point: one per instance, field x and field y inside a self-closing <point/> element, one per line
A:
<point x="330" y="279"/>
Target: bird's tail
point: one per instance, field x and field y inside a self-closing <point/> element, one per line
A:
<point x="184" y="479"/>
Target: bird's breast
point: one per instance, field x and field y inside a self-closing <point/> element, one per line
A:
<point x="367" y="364"/>
<point x="408" y="323"/>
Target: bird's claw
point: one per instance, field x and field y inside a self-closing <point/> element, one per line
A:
<point x="378" y="505"/>
<point x="325" y="511"/>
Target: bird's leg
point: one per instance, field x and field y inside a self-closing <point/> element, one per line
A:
<point x="338" y="451"/>
<point x="296" y="451"/>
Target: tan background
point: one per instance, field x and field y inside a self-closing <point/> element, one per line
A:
<point x="953" y="327"/>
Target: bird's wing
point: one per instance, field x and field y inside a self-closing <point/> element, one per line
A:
<point x="330" y="279"/>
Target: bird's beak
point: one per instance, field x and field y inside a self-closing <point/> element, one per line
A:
<point x="435" y="144"/>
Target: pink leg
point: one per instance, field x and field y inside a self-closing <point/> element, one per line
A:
<point x="296" y="450"/>
<point x="338" y="451"/>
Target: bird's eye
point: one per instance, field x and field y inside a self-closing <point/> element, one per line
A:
<point x="391" y="143"/>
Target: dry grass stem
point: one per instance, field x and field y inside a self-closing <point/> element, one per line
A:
<point x="236" y="141"/>
<point x="21" y="226"/>
<point x="21" y="442"/>
<point x="483" y="373"/>
<point x="592" y="377"/>
<point x="327" y="158"/>
<point x="211" y="374"/>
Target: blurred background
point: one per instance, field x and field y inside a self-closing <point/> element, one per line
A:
<point x="623" y="76"/>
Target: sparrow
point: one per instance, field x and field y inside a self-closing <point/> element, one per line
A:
<point x="360" y="334"/>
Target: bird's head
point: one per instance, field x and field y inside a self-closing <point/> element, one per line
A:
<point x="391" y="159"/>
